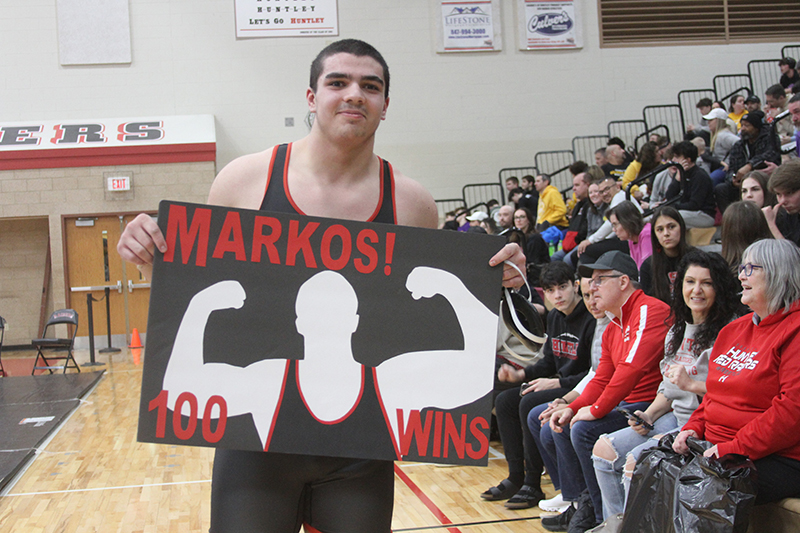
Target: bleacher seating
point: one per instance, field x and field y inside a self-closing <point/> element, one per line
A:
<point x="664" y="119"/>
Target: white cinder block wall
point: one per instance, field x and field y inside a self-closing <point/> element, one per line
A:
<point x="453" y="119"/>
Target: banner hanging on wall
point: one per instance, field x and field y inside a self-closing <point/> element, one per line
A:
<point x="279" y="332"/>
<point x="286" y="18"/>
<point x="548" y="24"/>
<point x="469" y="26"/>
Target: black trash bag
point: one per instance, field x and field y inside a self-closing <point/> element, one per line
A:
<point x="652" y="494"/>
<point x="680" y="493"/>
<point x="715" y="495"/>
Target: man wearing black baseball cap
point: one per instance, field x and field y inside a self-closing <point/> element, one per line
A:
<point x="628" y="376"/>
<point x="755" y="150"/>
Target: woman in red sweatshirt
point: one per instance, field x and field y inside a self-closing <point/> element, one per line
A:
<point x="752" y="406"/>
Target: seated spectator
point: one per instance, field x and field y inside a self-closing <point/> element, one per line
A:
<point x="539" y="417"/>
<point x="616" y="161"/>
<point x="578" y="167"/>
<point x="512" y="182"/>
<point x="721" y="142"/>
<point x="737" y="110"/>
<point x="752" y="103"/>
<point x="789" y="75"/>
<point x="784" y="217"/>
<point x="706" y="304"/>
<point x="505" y="218"/>
<point x="627" y="376"/>
<point x="551" y="210"/>
<point x="600" y="157"/>
<point x="661" y="182"/>
<point x="489" y="226"/>
<point x="597" y="214"/>
<point x="449" y="221"/>
<point x="696" y="197"/>
<point x="743" y="226"/>
<point x="492" y="206"/>
<point x="658" y="272"/>
<point x="537" y="253"/>
<point x="754" y="151"/>
<point x="476" y="218"/>
<point x="777" y="103"/>
<point x="704" y="106"/>
<point x="462" y="224"/>
<point x="603" y="240"/>
<point x="629" y="226"/>
<point x="646" y="161"/>
<point x="752" y="403"/>
<point x="705" y="160"/>
<point x="755" y="188"/>
<point x="578" y="223"/>
<point x="522" y="199"/>
<point x="565" y="361"/>
<point x="794" y="109"/>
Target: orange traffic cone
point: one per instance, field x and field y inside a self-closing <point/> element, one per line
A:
<point x="136" y="347"/>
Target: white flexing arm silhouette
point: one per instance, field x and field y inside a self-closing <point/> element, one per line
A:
<point x="254" y="389"/>
<point x="414" y="381"/>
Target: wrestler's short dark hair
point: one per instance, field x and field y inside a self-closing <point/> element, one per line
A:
<point x="555" y="274"/>
<point x="348" y="46"/>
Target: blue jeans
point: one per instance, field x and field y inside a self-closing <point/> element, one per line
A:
<point x="546" y="447"/>
<point x="610" y="473"/>
<point x="574" y="449"/>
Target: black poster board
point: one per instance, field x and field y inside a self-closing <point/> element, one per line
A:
<point x="295" y="334"/>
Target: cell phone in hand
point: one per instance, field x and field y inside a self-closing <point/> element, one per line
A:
<point x="636" y="418"/>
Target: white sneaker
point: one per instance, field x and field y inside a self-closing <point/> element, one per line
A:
<point x="554" y="505"/>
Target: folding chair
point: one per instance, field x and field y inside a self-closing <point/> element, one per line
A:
<point x="2" y="334"/>
<point x="54" y="345"/>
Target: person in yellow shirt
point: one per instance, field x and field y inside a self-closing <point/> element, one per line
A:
<point x="552" y="210"/>
<point x="737" y="110"/>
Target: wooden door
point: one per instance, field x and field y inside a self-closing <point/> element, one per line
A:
<point x="93" y="264"/>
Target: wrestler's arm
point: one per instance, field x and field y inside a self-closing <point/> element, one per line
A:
<point x="239" y="184"/>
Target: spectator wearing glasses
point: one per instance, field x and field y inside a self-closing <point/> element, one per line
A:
<point x="628" y="376"/>
<point x="752" y="403"/>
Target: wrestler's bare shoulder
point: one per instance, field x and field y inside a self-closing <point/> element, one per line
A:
<point x="241" y="182"/>
<point x="415" y="205"/>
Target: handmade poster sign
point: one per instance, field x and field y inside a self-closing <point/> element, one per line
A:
<point x="279" y="332"/>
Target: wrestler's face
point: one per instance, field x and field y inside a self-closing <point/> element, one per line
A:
<point x="349" y="99"/>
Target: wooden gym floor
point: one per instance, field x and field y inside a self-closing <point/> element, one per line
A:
<point x="94" y="477"/>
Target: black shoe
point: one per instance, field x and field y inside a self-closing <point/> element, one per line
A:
<point x="503" y="491"/>
<point x="559" y="522"/>
<point x="526" y="498"/>
<point x="584" y="518"/>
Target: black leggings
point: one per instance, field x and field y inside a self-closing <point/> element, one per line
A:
<point x="778" y="478"/>
<point x="276" y="493"/>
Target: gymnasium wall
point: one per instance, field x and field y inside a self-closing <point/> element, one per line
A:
<point x="453" y="119"/>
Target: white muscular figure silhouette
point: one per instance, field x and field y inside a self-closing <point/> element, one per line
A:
<point x="329" y="379"/>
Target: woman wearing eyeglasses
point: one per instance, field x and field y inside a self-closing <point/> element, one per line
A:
<point x="752" y="406"/>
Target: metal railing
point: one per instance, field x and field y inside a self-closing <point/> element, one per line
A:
<point x="627" y="130"/>
<point x="480" y="193"/>
<point x="668" y="115"/>
<point x="687" y="101"/>
<point x="763" y="73"/>
<point x="584" y="147"/>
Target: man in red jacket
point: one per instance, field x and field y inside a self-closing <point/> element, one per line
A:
<point x="628" y="376"/>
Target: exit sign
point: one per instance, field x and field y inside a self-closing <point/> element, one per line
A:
<point x="119" y="183"/>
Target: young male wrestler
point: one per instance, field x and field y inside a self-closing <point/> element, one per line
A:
<point x="332" y="172"/>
